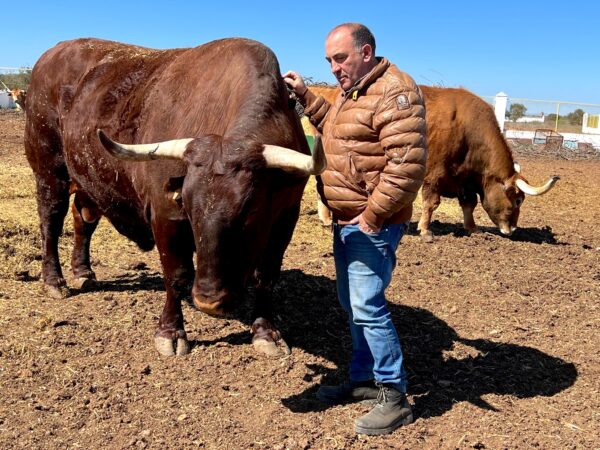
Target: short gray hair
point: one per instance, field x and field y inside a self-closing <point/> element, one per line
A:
<point x="361" y="35"/>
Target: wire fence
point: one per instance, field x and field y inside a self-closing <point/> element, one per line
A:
<point x="559" y="116"/>
<point x="572" y="124"/>
<point x="12" y="70"/>
<point x="14" y="78"/>
<point x="523" y="117"/>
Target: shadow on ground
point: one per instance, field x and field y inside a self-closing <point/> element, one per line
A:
<point x="138" y="281"/>
<point x="314" y="322"/>
<point x="311" y="319"/>
<point x="543" y="235"/>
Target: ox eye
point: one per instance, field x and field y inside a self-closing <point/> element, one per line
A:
<point x="518" y="202"/>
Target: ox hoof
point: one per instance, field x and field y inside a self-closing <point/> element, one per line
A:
<point x="271" y="348"/>
<point x="267" y="339"/>
<point x="57" y="292"/>
<point x="427" y="237"/>
<point x="83" y="283"/>
<point x="172" y="347"/>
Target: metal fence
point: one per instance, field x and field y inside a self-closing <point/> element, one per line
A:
<point x="11" y="70"/>
<point x="559" y="116"/>
<point x="571" y="123"/>
<point x="14" y="77"/>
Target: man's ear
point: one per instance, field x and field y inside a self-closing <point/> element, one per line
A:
<point x="367" y="52"/>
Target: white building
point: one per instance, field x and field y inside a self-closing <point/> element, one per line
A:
<point x="591" y="123"/>
<point x="532" y="119"/>
<point x="6" y="100"/>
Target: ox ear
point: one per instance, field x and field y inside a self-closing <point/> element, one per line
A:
<point x="173" y="188"/>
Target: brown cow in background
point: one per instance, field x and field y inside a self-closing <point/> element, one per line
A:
<point x="467" y="157"/>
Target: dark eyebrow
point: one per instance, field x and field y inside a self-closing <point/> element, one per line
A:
<point x="337" y="55"/>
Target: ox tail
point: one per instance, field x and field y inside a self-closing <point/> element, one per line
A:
<point x="276" y="157"/>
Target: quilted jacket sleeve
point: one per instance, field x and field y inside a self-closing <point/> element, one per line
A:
<point x="400" y="121"/>
<point x="316" y="109"/>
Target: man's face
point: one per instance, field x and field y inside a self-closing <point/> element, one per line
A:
<point x="347" y="64"/>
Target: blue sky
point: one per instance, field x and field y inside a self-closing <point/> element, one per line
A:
<point x="528" y="49"/>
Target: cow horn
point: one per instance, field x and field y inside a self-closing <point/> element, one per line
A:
<point x="293" y="161"/>
<point x="517" y="167"/>
<point x="144" y="152"/>
<point x="533" y="190"/>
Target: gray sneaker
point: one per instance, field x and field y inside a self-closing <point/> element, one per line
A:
<point x="391" y="411"/>
<point x="347" y="392"/>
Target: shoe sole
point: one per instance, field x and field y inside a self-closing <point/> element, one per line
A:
<point x="379" y="431"/>
<point x="335" y="402"/>
<point x="365" y="402"/>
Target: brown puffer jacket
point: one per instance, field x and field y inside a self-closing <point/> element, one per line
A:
<point x="375" y="142"/>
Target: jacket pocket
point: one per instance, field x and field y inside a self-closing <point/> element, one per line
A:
<point x="356" y="177"/>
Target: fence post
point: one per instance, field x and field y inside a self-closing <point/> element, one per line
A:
<point x="500" y="102"/>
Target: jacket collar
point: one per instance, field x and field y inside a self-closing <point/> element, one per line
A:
<point x="370" y="77"/>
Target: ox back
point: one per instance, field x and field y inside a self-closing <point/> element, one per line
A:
<point x="218" y="200"/>
<point x="464" y="140"/>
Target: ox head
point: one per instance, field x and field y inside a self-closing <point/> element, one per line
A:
<point x="18" y="96"/>
<point x="502" y="200"/>
<point x="231" y="195"/>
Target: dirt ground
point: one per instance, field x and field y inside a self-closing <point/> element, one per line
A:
<point x="500" y="335"/>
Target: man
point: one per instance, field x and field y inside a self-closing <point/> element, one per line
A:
<point x="375" y="141"/>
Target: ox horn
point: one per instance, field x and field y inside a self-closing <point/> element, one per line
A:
<point x="536" y="190"/>
<point x="143" y="152"/>
<point x="293" y="161"/>
<point x="517" y="167"/>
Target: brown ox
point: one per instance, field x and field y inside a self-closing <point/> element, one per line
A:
<point x="18" y="96"/>
<point x="467" y="157"/>
<point x="212" y="161"/>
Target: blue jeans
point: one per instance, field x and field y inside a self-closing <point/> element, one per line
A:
<point x="364" y="265"/>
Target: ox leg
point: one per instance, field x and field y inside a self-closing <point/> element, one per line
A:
<point x="431" y="201"/>
<point x="266" y="338"/>
<point x="175" y="244"/>
<point x="324" y="213"/>
<point x="52" y="188"/>
<point x="468" y="202"/>
<point x="85" y="220"/>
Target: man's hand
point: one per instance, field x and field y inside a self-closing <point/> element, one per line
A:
<point x="295" y="82"/>
<point x="364" y="226"/>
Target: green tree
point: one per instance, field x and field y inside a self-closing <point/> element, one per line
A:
<point x="16" y="80"/>
<point x="576" y="117"/>
<point x="516" y="111"/>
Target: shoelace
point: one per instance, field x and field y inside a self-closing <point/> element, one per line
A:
<point x="382" y="395"/>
